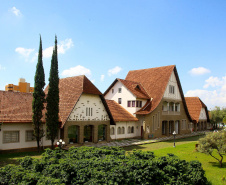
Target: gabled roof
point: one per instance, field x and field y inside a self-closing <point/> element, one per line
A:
<point x="195" y="106"/>
<point x="154" y="81"/>
<point x="134" y="87"/>
<point x="70" y="90"/>
<point x="15" y="107"/>
<point x="119" y="113"/>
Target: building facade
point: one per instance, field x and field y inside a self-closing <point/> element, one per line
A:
<point x="155" y="97"/>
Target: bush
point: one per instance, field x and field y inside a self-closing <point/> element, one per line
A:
<point x="90" y="165"/>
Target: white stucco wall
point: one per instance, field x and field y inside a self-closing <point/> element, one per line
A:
<point x="137" y="130"/>
<point x="173" y="82"/>
<point x="89" y="101"/>
<point x="22" y="128"/>
<point x="202" y="115"/>
<point x="125" y="96"/>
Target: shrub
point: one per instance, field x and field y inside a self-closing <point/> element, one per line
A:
<point x="90" y="165"/>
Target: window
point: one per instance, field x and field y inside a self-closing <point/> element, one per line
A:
<point x="171" y="106"/>
<point x="129" y="104"/>
<point x="119" y="90"/>
<point x="177" y="107"/>
<point x="89" y="111"/>
<point x="139" y="104"/>
<point x="112" y="91"/>
<point x="112" y="130"/>
<point x="171" y="89"/>
<point x="11" y="136"/>
<point x="129" y="130"/>
<point x="119" y="130"/>
<point x="120" y="101"/>
<point x="132" y="129"/>
<point x="29" y="135"/>
<point x="123" y="130"/>
<point x="134" y="103"/>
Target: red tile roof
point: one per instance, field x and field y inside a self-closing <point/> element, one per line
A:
<point x="195" y="106"/>
<point x="136" y="88"/>
<point x="70" y="89"/>
<point x="15" y="107"/>
<point x="155" y="81"/>
<point x="119" y="113"/>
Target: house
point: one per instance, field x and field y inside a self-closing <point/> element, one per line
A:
<point x="83" y="115"/>
<point x="199" y="113"/>
<point x="155" y="97"/>
<point x="16" y="130"/>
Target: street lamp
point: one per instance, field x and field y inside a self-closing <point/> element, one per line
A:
<point x="174" y="134"/>
<point x="60" y="143"/>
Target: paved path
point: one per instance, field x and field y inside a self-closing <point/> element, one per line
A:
<point x="133" y="142"/>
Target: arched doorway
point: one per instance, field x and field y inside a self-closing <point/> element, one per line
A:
<point x="88" y="133"/>
<point x="102" y="132"/>
<point x="73" y="134"/>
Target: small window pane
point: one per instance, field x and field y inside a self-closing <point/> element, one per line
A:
<point x="10" y="136"/>
<point x="30" y="135"/>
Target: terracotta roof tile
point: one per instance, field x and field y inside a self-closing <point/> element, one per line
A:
<point x="119" y="113"/>
<point x="154" y="80"/>
<point x="195" y="105"/>
<point x="70" y="89"/>
<point x="15" y="106"/>
<point x="136" y="88"/>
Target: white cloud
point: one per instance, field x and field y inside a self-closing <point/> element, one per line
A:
<point x="75" y="71"/>
<point x="1" y="67"/>
<point x="62" y="47"/>
<point x="24" y="52"/>
<point x="65" y="45"/>
<point x="47" y="53"/>
<point x="114" y="71"/>
<point x="199" y="71"/>
<point x="215" y="81"/>
<point x="212" y="98"/>
<point x="15" y="11"/>
<point x="102" y="78"/>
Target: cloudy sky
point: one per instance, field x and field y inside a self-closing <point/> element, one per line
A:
<point x="105" y="39"/>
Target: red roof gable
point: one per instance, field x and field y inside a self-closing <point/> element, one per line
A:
<point x="119" y="113"/>
<point x="195" y="106"/>
<point x="155" y="81"/>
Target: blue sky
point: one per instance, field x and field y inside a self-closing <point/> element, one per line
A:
<point x="104" y="39"/>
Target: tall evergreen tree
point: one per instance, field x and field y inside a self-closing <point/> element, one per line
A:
<point x="52" y="118"/>
<point x="38" y="98"/>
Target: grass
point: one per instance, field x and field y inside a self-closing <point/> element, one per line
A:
<point x="12" y="158"/>
<point x="185" y="149"/>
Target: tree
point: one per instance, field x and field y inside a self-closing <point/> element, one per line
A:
<point x="52" y="118"/>
<point x="38" y="98"/>
<point x="217" y="115"/>
<point x="214" y="142"/>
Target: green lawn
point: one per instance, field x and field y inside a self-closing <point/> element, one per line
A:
<point x="185" y="149"/>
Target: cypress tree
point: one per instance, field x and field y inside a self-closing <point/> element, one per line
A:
<point x="52" y="118"/>
<point x="38" y="98"/>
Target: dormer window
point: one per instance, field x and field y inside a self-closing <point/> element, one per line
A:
<point x="119" y="90"/>
<point x="137" y="87"/>
<point x="171" y="89"/>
